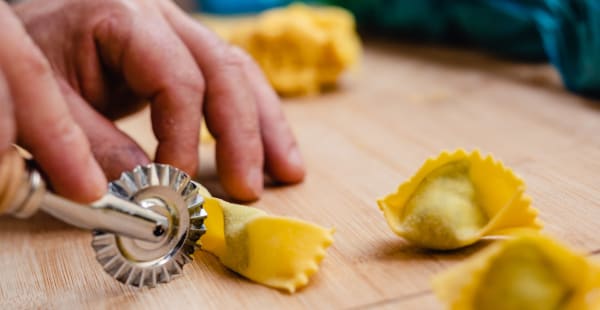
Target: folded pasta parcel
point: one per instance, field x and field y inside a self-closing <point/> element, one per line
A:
<point x="302" y="49"/>
<point x="456" y="199"/>
<point x="530" y="271"/>
<point x="280" y="252"/>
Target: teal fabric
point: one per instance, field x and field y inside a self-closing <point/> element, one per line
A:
<point x="565" y="32"/>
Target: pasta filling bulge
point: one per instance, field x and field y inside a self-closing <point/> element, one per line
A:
<point x="522" y="277"/>
<point x="444" y="208"/>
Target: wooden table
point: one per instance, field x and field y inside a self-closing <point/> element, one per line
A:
<point x="407" y="103"/>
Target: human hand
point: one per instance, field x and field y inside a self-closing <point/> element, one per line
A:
<point x="111" y="57"/>
<point x="34" y="113"/>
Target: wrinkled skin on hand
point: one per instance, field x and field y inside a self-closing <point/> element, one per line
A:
<point x="112" y="57"/>
<point x="34" y="114"/>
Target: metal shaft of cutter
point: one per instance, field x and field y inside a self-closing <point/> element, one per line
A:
<point x="109" y="214"/>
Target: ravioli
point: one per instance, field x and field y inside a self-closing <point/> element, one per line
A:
<point x="530" y="271"/>
<point x="279" y="252"/>
<point x="301" y="49"/>
<point x="456" y="199"/>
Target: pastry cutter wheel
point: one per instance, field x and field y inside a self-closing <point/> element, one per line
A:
<point x="144" y="229"/>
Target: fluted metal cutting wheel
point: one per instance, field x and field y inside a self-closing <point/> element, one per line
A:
<point x="167" y="191"/>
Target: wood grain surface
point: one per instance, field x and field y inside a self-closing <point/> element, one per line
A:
<point x="406" y="103"/>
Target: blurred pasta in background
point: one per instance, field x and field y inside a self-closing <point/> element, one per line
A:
<point x="566" y="33"/>
<point x="301" y="49"/>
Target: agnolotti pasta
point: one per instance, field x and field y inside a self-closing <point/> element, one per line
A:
<point x="530" y="271"/>
<point x="456" y="199"/>
<point x="275" y="251"/>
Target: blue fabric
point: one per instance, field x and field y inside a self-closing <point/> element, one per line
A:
<point x="566" y="32"/>
<point x="238" y="6"/>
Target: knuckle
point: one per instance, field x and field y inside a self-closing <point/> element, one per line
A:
<point x="33" y="63"/>
<point x="115" y="16"/>
<point x="120" y="7"/>
<point x="235" y="57"/>
<point x="248" y="130"/>
<point x="185" y="90"/>
<point x="195" y="85"/>
<point x="64" y="132"/>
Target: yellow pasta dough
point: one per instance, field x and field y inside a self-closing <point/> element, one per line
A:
<point x="301" y="49"/>
<point x="527" y="272"/>
<point x="275" y="251"/>
<point x="456" y="199"/>
<point x="205" y="136"/>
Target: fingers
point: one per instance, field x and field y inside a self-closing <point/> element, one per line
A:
<point x="232" y="118"/>
<point x="230" y="109"/>
<point x="44" y="124"/>
<point x="157" y="65"/>
<point x="114" y="150"/>
<point x="283" y="160"/>
<point x="7" y="122"/>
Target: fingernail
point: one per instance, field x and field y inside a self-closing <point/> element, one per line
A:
<point x="294" y="158"/>
<point x="96" y="179"/>
<point x="254" y="181"/>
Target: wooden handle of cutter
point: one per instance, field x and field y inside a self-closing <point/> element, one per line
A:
<point x="12" y="175"/>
